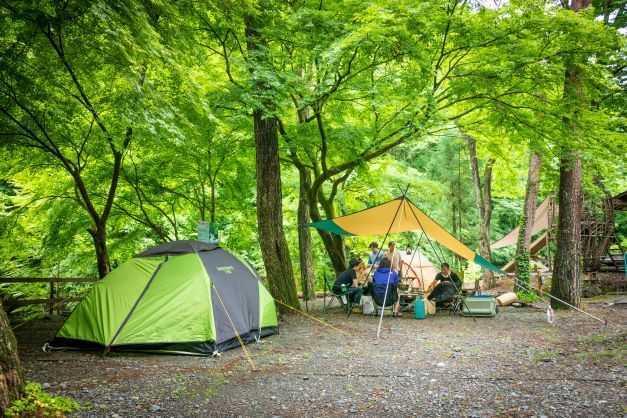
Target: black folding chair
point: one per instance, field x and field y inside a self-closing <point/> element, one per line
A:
<point x="454" y="305"/>
<point x="342" y="297"/>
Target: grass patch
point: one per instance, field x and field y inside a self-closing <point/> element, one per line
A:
<point x="604" y="348"/>
<point x="214" y="386"/>
<point x="544" y="356"/>
<point x="38" y="403"/>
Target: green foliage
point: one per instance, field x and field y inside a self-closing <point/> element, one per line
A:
<point x="381" y="92"/>
<point x="526" y="296"/>
<point x="38" y="403"/>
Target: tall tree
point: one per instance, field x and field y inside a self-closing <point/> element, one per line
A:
<point x="307" y="272"/>
<point x="528" y="215"/>
<point x="566" y="284"/>
<point x="54" y="106"/>
<point x="483" y="199"/>
<point x="272" y="240"/>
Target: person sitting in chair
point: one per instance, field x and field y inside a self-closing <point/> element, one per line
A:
<point x="447" y="284"/>
<point x="380" y="282"/>
<point x="348" y="278"/>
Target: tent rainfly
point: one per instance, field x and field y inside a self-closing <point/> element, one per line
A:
<point x="183" y="297"/>
<point x="399" y="215"/>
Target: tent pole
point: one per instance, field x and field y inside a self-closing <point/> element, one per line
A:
<point x="429" y="239"/>
<point x="422" y="278"/>
<point x="411" y="260"/>
<point x="403" y="198"/>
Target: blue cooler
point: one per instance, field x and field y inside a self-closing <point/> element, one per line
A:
<point x="420" y="310"/>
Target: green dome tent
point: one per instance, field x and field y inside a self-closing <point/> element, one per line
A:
<point x="183" y="297"/>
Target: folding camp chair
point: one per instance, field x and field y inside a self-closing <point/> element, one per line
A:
<point x="378" y="308"/>
<point x="342" y="297"/>
<point x="453" y="306"/>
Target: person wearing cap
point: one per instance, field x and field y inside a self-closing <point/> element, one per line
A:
<point x="348" y="278"/>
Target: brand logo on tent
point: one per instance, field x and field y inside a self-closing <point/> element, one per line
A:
<point x="226" y="269"/>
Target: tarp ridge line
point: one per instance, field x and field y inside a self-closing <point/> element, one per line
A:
<point x="359" y="211"/>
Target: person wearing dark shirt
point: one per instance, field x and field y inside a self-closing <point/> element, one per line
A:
<point x="386" y="279"/>
<point x="447" y="284"/>
<point x="348" y="279"/>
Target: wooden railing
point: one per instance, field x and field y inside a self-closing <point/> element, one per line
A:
<point x="53" y="300"/>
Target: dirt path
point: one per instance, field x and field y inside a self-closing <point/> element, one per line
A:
<point x="513" y="365"/>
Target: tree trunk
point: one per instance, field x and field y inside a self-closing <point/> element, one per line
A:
<point x="11" y="378"/>
<point x="274" y="250"/>
<point x="483" y="198"/>
<point x="212" y="203"/>
<point x="566" y="283"/>
<point x="99" y="236"/>
<point x="334" y="245"/>
<point x="307" y="274"/>
<point x="272" y="240"/>
<point x="526" y="222"/>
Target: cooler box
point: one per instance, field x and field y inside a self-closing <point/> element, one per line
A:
<point x="479" y="306"/>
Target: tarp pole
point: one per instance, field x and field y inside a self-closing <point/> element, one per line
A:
<point x="441" y="261"/>
<point x="387" y="233"/>
<point x="385" y="295"/>
<point x="390" y="272"/>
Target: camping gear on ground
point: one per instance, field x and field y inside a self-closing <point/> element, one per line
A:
<point x="506" y="299"/>
<point x="420" y="309"/>
<point x="430" y="307"/>
<point x="483" y="305"/>
<point x="367" y="305"/>
<point x="184" y="297"/>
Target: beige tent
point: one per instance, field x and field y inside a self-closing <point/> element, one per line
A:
<point x="417" y="266"/>
<point x="545" y="213"/>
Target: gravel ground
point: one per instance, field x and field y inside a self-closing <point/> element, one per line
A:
<point x="513" y="365"/>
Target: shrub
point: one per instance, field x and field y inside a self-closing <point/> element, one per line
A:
<point x="525" y="296"/>
<point x="38" y="403"/>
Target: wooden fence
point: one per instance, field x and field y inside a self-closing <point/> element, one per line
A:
<point x="53" y="300"/>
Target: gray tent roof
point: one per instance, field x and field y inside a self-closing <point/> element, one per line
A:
<point x="178" y="247"/>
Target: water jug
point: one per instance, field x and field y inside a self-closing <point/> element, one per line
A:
<point x="420" y="311"/>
